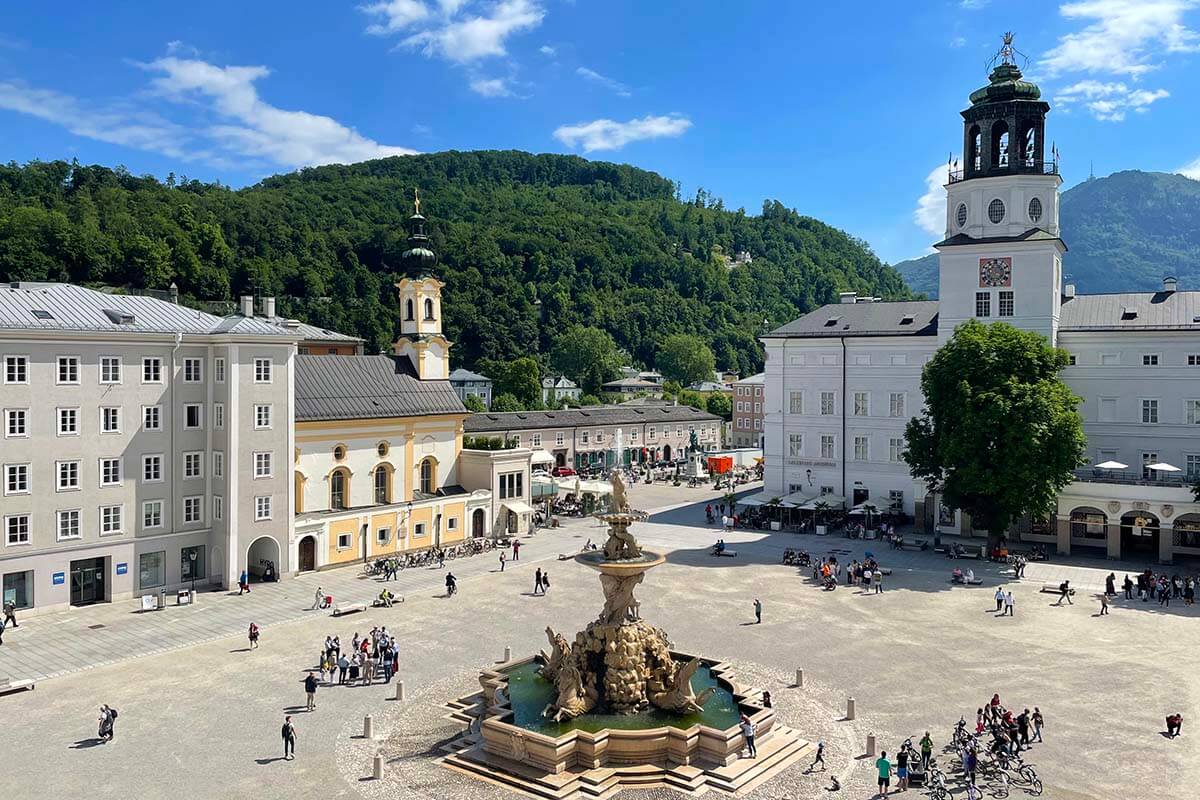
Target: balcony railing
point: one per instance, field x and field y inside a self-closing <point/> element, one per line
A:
<point x="1132" y="477"/>
<point x="1025" y="166"/>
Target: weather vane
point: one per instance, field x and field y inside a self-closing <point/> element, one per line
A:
<point x="416" y="201"/>
<point x="1008" y="53"/>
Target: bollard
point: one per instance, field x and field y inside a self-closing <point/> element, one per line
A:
<point x="507" y="654"/>
<point x="368" y="727"/>
<point x="849" y="708"/>
<point x="870" y="744"/>
<point x="799" y="678"/>
<point x="377" y="766"/>
<point x="399" y="690"/>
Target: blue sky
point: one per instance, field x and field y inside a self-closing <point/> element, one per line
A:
<point x="843" y="111"/>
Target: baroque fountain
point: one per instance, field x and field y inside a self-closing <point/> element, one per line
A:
<point x="617" y="706"/>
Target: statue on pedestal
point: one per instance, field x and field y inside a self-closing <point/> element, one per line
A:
<point x="619" y="603"/>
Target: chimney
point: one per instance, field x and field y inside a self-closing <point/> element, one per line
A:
<point x="1170" y="284"/>
<point x="173" y="293"/>
<point x="847" y="297"/>
<point x="269" y="307"/>
<point x="1069" y="290"/>
<point x="247" y="302"/>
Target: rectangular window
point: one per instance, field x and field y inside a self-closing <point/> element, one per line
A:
<point x="112" y="520"/>
<point x="535" y="440"/>
<point x="861" y="448"/>
<point x="262" y="416"/>
<point x="219" y="416"/>
<point x="895" y="449"/>
<point x="152" y="418"/>
<point x="383" y="535"/>
<point x="827" y="445"/>
<point x="152" y="468"/>
<point x="193" y="416"/>
<point x="1071" y="360"/>
<point x="193" y="512"/>
<point x="983" y="304"/>
<point x="633" y="435"/>
<point x="68" y="422"/>
<point x="741" y="407"/>
<point x="152" y="570"/>
<point x="68" y="369"/>
<point x="16" y="422"/>
<point x="758" y="424"/>
<point x="152" y="514"/>
<point x="862" y="361"/>
<point x="861" y="408"/>
<point x="110" y="472"/>
<point x="193" y="465"/>
<point x="419" y="529"/>
<point x="758" y="408"/>
<point x="1192" y="411"/>
<point x="452" y="524"/>
<point x="262" y="508"/>
<point x="1193" y="467"/>
<point x="193" y="370"/>
<point x="1108" y="409"/>
<point x="1150" y="411"/>
<point x="191" y="563"/>
<point x="262" y="370"/>
<point x="512" y="485"/>
<point x="599" y="437"/>
<point x="896" y="499"/>
<point x="826" y="404"/>
<point x="218" y="507"/>
<point x="559" y="439"/>
<point x="896" y="404"/>
<point x="68" y="525"/>
<point x="110" y="369"/>
<point x="262" y="465"/>
<point x="899" y="360"/>
<point x="18" y="589"/>
<point x="583" y="437"/>
<point x="218" y="464"/>
<point x="16" y="529"/>
<point x="1147" y="460"/>
<point x="343" y="541"/>
<point x="1149" y="359"/>
<point x="795" y="445"/>
<point x="16" y="369"/>
<point x="110" y="419"/>
<point x="16" y="479"/>
<point x="1006" y="304"/>
<point x="1194" y="360"/>
<point x="219" y="370"/>
<point x="152" y="370"/>
<point x="68" y="475"/>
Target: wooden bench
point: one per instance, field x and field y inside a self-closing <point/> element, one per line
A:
<point x="1053" y="588"/>
<point x="349" y="608"/>
<point x="9" y="685"/>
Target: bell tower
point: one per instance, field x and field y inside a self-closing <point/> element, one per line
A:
<point x="420" y="296"/>
<point x="1001" y="258"/>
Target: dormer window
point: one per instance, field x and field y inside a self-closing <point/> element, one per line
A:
<point x="829" y="323"/>
<point x="118" y="317"/>
<point x="907" y="319"/>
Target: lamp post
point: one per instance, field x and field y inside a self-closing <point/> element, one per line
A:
<point x="192" y="570"/>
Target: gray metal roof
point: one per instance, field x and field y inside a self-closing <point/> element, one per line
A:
<point x="1031" y="235"/>
<point x="311" y="332"/>
<point x="492" y="422"/>
<point x="631" y="383"/>
<point x="461" y="375"/>
<point x="864" y="319"/>
<point x="561" y="382"/>
<point x="66" y="307"/>
<point x="1131" y="311"/>
<point x="759" y="378"/>
<point x="367" y="387"/>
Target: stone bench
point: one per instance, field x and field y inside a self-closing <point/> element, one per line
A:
<point x="1052" y="588"/>
<point x="349" y="608"/>
<point x="727" y="553"/>
<point x="916" y="544"/>
<point x="10" y="685"/>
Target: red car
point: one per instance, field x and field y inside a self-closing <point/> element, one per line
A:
<point x="562" y="472"/>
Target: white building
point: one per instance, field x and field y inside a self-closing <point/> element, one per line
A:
<point x="144" y="445"/>
<point x="843" y="381"/>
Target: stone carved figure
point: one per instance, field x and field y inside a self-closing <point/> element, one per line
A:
<point x="621" y="544"/>
<point x="573" y="698"/>
<point x="618" y="502"/>
<point x="619" y="603"/>
<point x="560" y="651"/>
<point x="519" y="749"/>
<point x="678" y="694"/>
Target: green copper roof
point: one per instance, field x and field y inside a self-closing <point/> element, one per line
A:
<point x="1005" y="84"/>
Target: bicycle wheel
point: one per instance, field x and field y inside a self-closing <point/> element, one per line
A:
<point x="1027" y="774"/>
<point x="1000" y="790"/>
<point x="1035" y="786"/>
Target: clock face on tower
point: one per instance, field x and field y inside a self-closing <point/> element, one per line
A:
<point x="995" y="272"/>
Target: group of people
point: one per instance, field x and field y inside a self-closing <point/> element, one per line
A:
<point x="541" y="581"/>
<point x="866" y="573"/>
<point x="369" y="657"/>
<point x="1156" y="587"/>
<point x="1010" y="734"/>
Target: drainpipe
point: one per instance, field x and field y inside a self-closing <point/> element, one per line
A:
<point x="843" y="341"/>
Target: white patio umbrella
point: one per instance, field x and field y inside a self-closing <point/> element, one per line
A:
<point x="1111" y="465"/>
<point x="1162" y="466"/>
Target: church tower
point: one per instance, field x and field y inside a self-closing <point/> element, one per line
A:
<point x="420" y="296"/>
<point x="1001" y="259"/>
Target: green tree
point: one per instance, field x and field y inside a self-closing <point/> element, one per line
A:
<point x="1001" y="432"/>
<point x="685" y="358"/>
<point x="587" y="355"/>
<point x="694" y="399"/>
<point x="506" y="402"/>
<point x="589" y="400"/>
<point x="719" y="403"/>
<point x="520" y="378"/>
<point x="474" y="404"/>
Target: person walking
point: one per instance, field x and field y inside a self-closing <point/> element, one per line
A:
<point x="108" y="718"/>
<point x="318" y="598"/>
<point x="310" y="689"/>
<point x="885" y="773"/>
<point x="503" y="560"/>
<point x="516" y="550"/>
<point x="819" y="758"/>
<point x="1164" y="594"/>
<point x="926" y="751"/>
<point x="1174" y="725"/>
<point x="902" y="770"/>
<point x="1128" y="586"/>
<point x="243" y="583"/>
<point x="537" y="581"/>
<point x="545" y="581"/>
<point x="878" y="581"/>
<point x="1038" y="722"/>
<point x="748" y="731"/>
<point x="1064" y="590"/>
<point x="1103" y="605"/>
<point x="1008" y="605"/>
<point x="757" y="611"/>
<point x="253" y="634"/>
<point x="1110" y="585"/>
<point x="999" y="598"/>
<point x="2" y="631"/>
<point x="289" y="738"/>
<point x="971" y="765"/>
<point x="10" y="614"/>
<point x="1023" y="730"/>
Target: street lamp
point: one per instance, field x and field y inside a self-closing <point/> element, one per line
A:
<point x="192" y="570"/>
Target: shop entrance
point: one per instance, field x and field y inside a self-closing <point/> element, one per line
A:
<point x="1139" y="535"/>
<point x="87" y="581"/>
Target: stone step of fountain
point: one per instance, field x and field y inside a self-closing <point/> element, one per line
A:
<point x="783" y="747"/>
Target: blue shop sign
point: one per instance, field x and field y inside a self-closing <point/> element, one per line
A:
<point x="59" y="578"/>
<point x="122" y="568"/>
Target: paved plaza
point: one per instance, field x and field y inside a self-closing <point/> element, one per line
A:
<point x="200" y="714"/>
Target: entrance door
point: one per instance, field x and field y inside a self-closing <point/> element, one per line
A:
<point x="87" y="581"/>
<point x="477" y="523"/>
<point x="860" y="495"/>
<point x="560" y="459"/>
<point x="308" y="554"/>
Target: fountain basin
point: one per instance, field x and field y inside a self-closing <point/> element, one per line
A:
<point x="624" y="566"/>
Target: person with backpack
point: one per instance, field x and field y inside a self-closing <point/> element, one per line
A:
<point x="310" y="689"/>
<point x="289" y="738"/>
<point x="10" y="613"/>
<point x="243" y="582"/>
<point x="108" y="716"/>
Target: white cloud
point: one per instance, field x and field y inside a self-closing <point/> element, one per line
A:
<point x="452" y="31"/>
<point x="1108" y="101"/>
<point x="547" y="50"/>
<point x="930" y="213"/>
<point x="1191" y="170"/>
<point x="973" y="5"/>
<point x="606" y="134"/>
<point x="395" y="15"/>
<point x="491" y="87"/>
<point x="595" y="77"/>
<point x="1122" y="37"/>
<point x="958" y="41"/>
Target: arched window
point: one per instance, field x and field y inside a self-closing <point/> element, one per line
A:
<point x="1029" y="146"/>
<point x="1000" y="144"/>
<point x="428" y="483"/>
<point x="974" y="153"/>
<point x="383" y="484"/>
<point x="409" y="312"/>
<point x="339" y="485"/>
<point x="428" y="308"/>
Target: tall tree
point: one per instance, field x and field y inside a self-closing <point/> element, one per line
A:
<point x="587" y="355"/>
<point x="719" y="403"/>
<point x="1001" y="432"/>
<point x="685" y="358"/>
<point x="520" y="378"/>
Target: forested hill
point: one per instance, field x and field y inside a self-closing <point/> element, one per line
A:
<point x="529" y="245"/>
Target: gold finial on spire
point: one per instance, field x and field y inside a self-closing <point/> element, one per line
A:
<point x="1006" y="52"/>
<point x="416" y="200"/>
